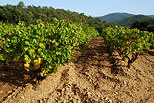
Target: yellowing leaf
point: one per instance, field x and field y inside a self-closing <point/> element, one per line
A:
<point x="37" y="65"/>
<point x="27" y="65"/>
<point x="54" y="41"/>
<point x="39" y="60"/>
<point x="43" y="73"/>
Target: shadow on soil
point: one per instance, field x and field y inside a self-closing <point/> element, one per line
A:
<point x="97" y="52"/>
<point x="13" y="75"/>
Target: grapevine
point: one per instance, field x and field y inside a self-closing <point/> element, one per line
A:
<point x="128" y="42"/>
<point x="42" y="46"/>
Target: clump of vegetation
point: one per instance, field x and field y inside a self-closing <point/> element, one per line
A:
<point x="128" y="42"/>
<point x="42" y="46"/>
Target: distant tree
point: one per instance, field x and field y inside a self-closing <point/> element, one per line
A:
<point x="144" y="25"/>
<point x="150" y="28"/>
<point x="21" y="4"/>
<point x="141" y="25"/>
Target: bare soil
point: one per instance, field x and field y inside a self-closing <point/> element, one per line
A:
<point x="96" y="75"/>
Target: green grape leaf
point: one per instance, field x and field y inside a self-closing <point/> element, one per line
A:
<point x="1" y="57"/>
<point x="42" y="45"/>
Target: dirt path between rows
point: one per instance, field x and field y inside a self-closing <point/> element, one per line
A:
<point x="92" y="77"/>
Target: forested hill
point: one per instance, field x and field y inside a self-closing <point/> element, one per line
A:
<point x="15" y="13"/>
<point x="128" y="22"/>
<point x="115" y="16"/>
<point x="151" y="15"/>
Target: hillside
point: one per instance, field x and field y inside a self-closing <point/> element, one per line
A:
<point x="115" y="16"/>
<point x="59" y="56"/>
<point x="30" y="14"/>
<point x="127" y="22"/>
<point x="151" y="15"/>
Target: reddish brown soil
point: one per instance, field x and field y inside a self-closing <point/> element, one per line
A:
<point x="92" y="77"/>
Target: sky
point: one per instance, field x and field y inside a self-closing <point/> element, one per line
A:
<point x="93" y="7"/>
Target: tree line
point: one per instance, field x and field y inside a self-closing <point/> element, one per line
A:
<point x="141" y="22"/>
<point x="15" y="13"/>
<point x="144" y="25"/>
